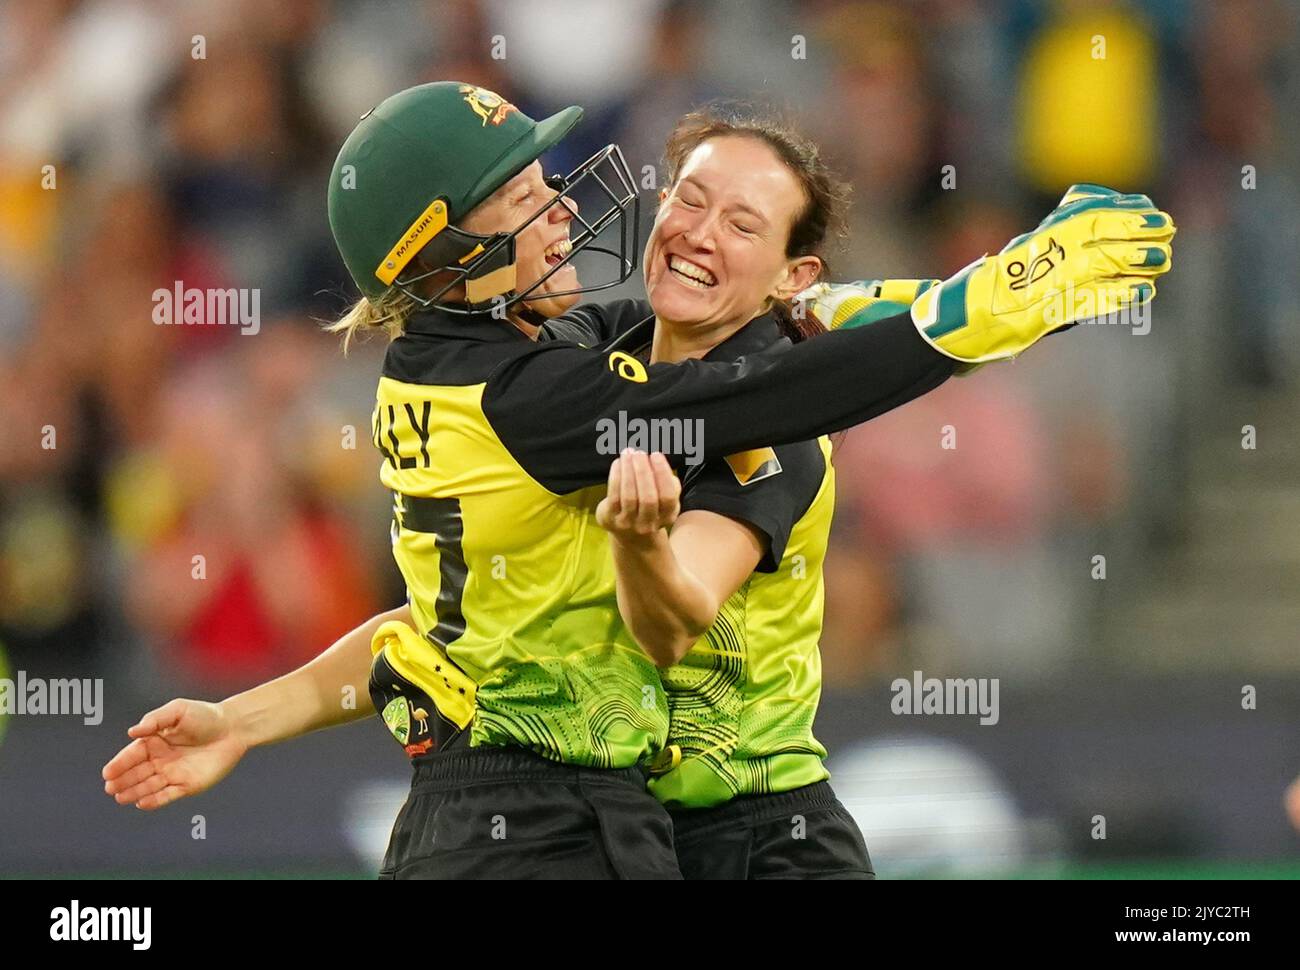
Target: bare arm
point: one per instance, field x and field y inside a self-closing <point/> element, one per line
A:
<point x="670" y="587"/>
<point x="187" y="746"/>
<point x="312" y="697"/>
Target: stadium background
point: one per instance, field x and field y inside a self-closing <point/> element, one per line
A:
<point x="1120" y="697"/>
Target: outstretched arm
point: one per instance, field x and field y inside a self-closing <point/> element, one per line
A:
<point x="312" y="697"/>
<point x="187" y="746"/>
<point x="555" y="405"/>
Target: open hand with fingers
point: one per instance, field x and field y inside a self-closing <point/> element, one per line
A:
<point x="182" y="748"/>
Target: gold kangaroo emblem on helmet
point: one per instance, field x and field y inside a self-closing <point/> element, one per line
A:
<point x="488" y="105"/>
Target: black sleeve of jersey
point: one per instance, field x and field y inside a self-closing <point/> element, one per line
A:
<point x="595" y="323"/>
<point x="771" y="505"/>
<point x="548" y="404"/>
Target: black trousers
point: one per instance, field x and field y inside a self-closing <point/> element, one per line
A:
<point x="505" y="813"/>
<point x="800" y="834"/>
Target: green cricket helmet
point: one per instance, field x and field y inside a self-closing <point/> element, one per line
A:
<point x="422" y="159"/>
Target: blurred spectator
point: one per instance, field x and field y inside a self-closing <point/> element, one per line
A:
<point x="1242" y="54"/>
<point x="248" y="570"/>
<point x="1089" y="101"/>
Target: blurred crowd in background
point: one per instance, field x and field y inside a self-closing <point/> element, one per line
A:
<point x="171" y="443"/>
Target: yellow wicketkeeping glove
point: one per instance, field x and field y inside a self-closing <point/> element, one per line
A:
<point x="1098" y="252"/>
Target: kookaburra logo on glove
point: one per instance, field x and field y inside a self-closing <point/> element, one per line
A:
<point x="1038" y="268"/>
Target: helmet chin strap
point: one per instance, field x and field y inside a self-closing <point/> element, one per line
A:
<point x="529" y="315"/>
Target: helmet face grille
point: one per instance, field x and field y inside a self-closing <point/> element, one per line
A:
<point x="602" y="184"/>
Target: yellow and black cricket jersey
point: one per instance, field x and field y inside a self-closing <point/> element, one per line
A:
<point x="742" y="701"/>
<point x="496" y="450"/>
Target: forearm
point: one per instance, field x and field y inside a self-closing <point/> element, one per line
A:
<point x="317" y="694"/>
<point x="665" y="608"/>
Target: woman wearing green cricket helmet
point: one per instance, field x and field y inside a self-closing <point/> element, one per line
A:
<point x="394" y="226"/>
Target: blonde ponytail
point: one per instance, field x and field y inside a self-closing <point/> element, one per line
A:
<point x="388" y="314"/>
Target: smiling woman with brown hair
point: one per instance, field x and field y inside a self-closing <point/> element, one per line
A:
<point x="729" y="603"/>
